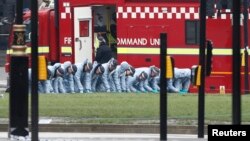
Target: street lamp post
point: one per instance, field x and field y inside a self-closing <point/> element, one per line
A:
<point x="18" y="79"/>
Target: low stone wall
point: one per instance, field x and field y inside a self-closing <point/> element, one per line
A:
<point x="109" y="128"/>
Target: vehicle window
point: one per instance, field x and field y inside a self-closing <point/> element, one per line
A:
<point x="192" y="28"/>
<point x="84" y="28"/>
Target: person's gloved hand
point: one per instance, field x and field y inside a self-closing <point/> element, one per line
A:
<point x="138" y="92"/>
<point x="88" y="91"/>
<point x="155" y="91"/>
<point x="182" y="92"/>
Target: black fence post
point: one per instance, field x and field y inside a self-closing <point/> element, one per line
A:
<point x="236" y="64"/>
<point x="246" y="72"/>
<point x="201" y="101"/>
<point x="34" y="65"/>
<point x="163" y="85"/>
<point x="246" y="75"/>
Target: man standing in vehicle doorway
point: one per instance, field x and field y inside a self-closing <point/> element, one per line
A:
<point x="104" y="52"/>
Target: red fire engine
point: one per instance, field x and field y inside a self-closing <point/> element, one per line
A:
<point x="132" y="28"/>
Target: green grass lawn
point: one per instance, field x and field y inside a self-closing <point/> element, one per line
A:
<point x="131" y="108"/>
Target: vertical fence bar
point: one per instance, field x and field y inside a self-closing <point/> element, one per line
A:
<point x="163" y="91"/>
<point x="236" y="64"/>
<point x="201" y="101"/>
<point x="34" y="65"/>
<point x="19" y="12"/>
<point x="246" y="75"/>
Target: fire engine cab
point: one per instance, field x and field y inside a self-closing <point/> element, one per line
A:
<point x="69" y="30"/>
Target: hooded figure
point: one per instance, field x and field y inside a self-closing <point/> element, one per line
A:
<point x="182" y="79"/>
<point x="109" y="68"/>
<point x="135" y="83"/>
<point x="68" y="80"/>
<point x="151" y="84"/>
<point x="82" y="77"/>
<point x="95" y="75"/>
<point x="57" y="78"/>
<point x="119" y="77"/>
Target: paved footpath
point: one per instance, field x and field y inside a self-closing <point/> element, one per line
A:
<point x="3" y="76"/>
<point x="3" y="80"/>
<point x="48" y="136"/>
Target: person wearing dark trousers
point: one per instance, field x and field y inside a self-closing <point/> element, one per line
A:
<point x="104" y="52"/>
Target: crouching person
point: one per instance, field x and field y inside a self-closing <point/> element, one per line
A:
<point x="95" y="76"/>
<point x="82" y="79"/>
<point x="109" y="69"/>
<point x="135" y="83"/>
<point x="150" y="84"/>
<point x="182" y="79"/>
<point x="57" y="79"/>
<point x="68" y="80"/>
<point x="45" y="86"/>
<point x="119" y="77"/>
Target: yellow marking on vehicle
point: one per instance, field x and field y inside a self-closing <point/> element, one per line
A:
<point x="41" y="49"/>
<point x="171" y="51"/>
<point x="66" y="50"/>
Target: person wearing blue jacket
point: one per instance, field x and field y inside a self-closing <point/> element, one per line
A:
<point x="151" y="83"/>
<point x="57" y="79"/>
<point x="55" y="73"/>
<point x="180" y="83"/>
<point x="135" y="83"/>
<point x="68" y="80"/>
<point x="128" y="73"/>
<point x="95" y="75"/>
<point x="182" y="79"/>
<point x="109" y="69"/>
<point x="82" y="77"/>
<point x="170" y="85"/>
<point x="119" y="77"/>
